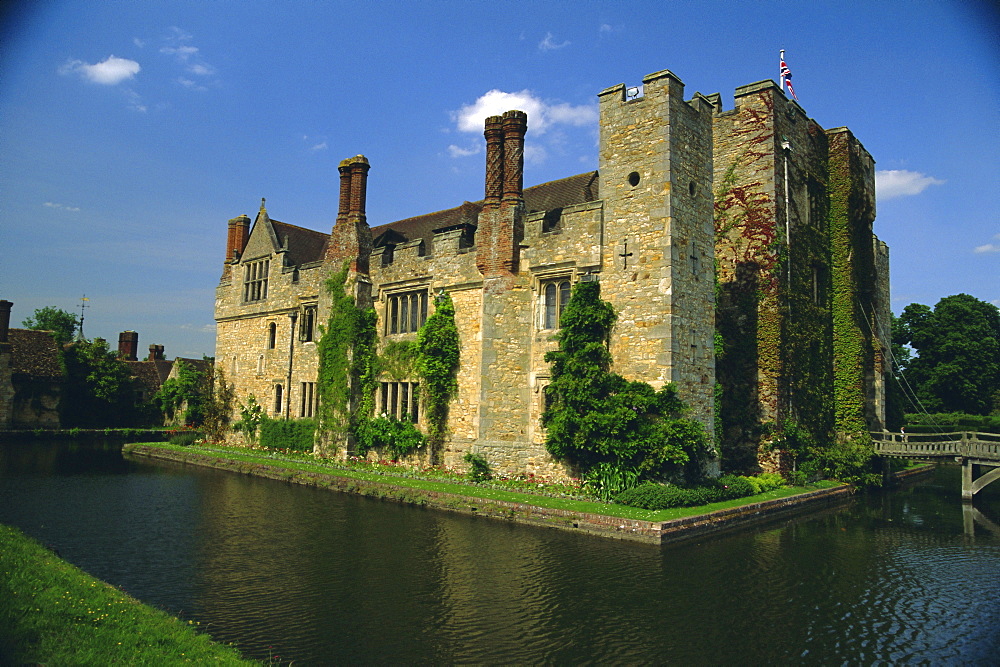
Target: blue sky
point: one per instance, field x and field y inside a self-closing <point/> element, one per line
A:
<point x="130" y="132"/>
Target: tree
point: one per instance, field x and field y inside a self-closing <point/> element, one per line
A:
<point x="600" y="421"/>
<point x="59" y="322"/>
<point x="957" y="367"/>
<point x="99" y="390"/>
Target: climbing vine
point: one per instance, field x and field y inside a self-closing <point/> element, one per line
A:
<point x="772" y="300"/>
<point x="189" y="390"/>
<point x="346" y="378"/>
<point x="848" y="339"/>
<point x="616" y="431"/>
<point x="437" y="363"/>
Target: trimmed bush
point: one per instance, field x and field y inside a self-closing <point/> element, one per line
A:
<point x="479" y="467"/>
<point x="295" y="434"/>
<point x="653" y="496"/>
<point x="388" y="433"/>
<point x="184" y="438"/>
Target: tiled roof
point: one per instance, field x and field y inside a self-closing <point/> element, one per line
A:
<point x="150" y="374"/>
<point x="35" y="353"/>
<point x="304" y="245"/>
<point x="545" y="197"/>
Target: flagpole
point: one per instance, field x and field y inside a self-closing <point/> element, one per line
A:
<point x="781" y="70"/>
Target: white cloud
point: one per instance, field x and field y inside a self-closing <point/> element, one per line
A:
<point x="134" y="101"/>
<point x="138" y="42"/>
<point x="541" y="115"/>
<point x="892" y="183"/>
<point x="178" y="45"/>
<point x="109" y="72"/>
<point x="989" y="247"/>
<point x="534" y="154"/>
<point x="549" y="43"/>
<point x="182" y="52"/>
<point x="50" y="204"/>
<point x="319" y="147"/>
<point x="458" y="151"/>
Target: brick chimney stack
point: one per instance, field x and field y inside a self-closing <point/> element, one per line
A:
<point x="494" y="161"/>
<point x="128" y="346"/>
<point x="239" y="234"/>
<point x="501" y="222"/>
<point x="515" y="125"/>
<point x="5" y="307"/>
<point x="155" y="352"/>
<point x="351" y="238"/>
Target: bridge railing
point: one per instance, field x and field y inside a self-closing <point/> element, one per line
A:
<point x="918" y="445"/>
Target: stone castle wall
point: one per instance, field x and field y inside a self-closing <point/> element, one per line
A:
<point x="652" y="237"/>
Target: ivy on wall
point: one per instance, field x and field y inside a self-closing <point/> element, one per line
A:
<point x="346" y="377"/>
<point x="437" y="362"/>
<point x="350" y="367"/>
<point x="773" y="313"/>
<point x="616" y="431"/>
<point x="849" y="343"/>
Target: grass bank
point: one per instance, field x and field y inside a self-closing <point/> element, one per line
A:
<point x="51" y="612"/>
<point x="407" y="485"/>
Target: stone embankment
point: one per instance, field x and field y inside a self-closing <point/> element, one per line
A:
<point x="654" y="532"/>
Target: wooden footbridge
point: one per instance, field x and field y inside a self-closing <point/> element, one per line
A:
<point x="979" y="453"/>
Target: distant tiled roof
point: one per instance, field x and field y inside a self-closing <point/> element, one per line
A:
<point x="304" y="245"/>
<point x="150" y="374"/>
<point x="35" y="353"/>
<point x="545" y="197"/>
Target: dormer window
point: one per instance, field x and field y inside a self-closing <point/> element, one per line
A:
<point x="255" y="280"/>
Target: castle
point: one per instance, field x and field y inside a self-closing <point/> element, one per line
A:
<point x="736" y="240"/>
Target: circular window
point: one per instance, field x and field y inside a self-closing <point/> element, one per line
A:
<point x="633" y="179"/>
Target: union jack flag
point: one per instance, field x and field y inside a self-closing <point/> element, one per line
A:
<point x="786" y="77"/>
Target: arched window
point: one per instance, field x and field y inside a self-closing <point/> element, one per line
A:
<point x="555" y="296"/>
<point x="277" y="399"/>
<point x="272" y="335"/>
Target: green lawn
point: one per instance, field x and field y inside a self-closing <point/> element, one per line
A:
<point x="468" y="489"/>
<point x="51" y="612"/>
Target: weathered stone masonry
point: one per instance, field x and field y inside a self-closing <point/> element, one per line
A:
<point x="644" y="225"/>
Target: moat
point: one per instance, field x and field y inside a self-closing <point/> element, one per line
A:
<point x="320" y="577"/>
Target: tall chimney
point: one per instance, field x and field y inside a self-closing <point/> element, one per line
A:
<point x="155" y="352"/>
<point x="351" y="237"/>
<point x="344" y="205"/>
<point x="515" y="125"/>
<point x="128" y="346"/>
<point x="5" y="307"/>
<point x="239" y="234"/>
<point x="494" y="160"/>
<point x="359" y="186"/>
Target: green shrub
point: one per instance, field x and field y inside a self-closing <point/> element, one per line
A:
<point x="294" y="434"/>
<point x="388" y="433"/>
<point x="653" y="496"/>
<point x="766" y="481"/>
<point x="479" y="467"/>
<point x="184" y="438"/>
<point x="734" y="486"/>
<point x="949" y="422"/>
<point x="607" y="479"/>
<point x="851" y="463"/>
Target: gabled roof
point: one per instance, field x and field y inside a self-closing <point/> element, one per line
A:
<point x="150" y="374"/>
<point x="35" y="353"/>
<point x="304" y="245"/>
